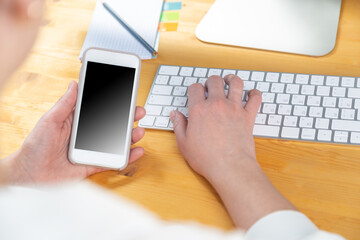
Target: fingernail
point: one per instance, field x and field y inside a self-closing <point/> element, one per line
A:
<point x="172" y="116"/>
<point x="230" y="76"/>
<point x="70" y="85"/>
<point x="34" y="10"/>
<point x="252" y="93"/>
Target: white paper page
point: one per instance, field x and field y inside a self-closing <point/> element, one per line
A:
<point x="106" y="32"/>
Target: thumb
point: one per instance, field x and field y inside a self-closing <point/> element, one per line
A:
<point x="180" y="123"/>
<point x="65" y="106"/>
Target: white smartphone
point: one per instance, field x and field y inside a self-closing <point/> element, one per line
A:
<point x="105" y="108"/>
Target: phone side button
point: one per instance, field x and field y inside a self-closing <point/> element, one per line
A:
<point x="147" y="121"/>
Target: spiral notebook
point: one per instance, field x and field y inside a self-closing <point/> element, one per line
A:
<point x="142" y="15"/>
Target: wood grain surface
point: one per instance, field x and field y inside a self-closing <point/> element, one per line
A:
<point x="322" y="180"/>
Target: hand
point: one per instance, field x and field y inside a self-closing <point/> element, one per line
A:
<point x="19" y="24"/>
<point x="219" y="132"/>
<point x="43" y="158"/>
<point x="217" y="142"/>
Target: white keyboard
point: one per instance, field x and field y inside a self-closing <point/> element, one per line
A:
<point x="294" y="106"/>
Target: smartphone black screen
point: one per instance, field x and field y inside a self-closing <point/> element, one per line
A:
<point x="105" y="106"/>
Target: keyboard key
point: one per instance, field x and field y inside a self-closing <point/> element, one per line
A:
<point x="358" y="82"/>
<point x="268" y="97"/>
<point x="283" y="98"/>
<point x="308" y="134"/>
<point x="227" y="72"/>
<point x="347" y="82"/>
<point x="189" y="81"/>
<point x="355" y="137"/>
<point x="331" y="113"/>
<point x="345" y="102"/>
<point x="348" y="114"/>
<point x="284" y="109"/>
<point x="212" y="72"/>
<point x="200" y="72"/>
<point x="290" y="132"/>
<point x="162" y="122"/>
<point x="357" y="104"/>
<point x="313" y="101"/>
<point x="345" y="125"/>
<point x="153" y="110"/>
<point x="275" y="120"/>
<point x="160" y="79"/>
<point x="248" y="85"/>
<point x="292" y="88"/>
<point x="180" y="101"/>
<point x="298" y="100"/>
<point x="306" y="122"/>
<point x="317" y="80"/>
<point x="162" y="90"/>
<point x="177" y="81"/>
<point x="354" y="92"/>
<point x="272" y="77"/>
<point x="316" y="112"/>
<point x="277" y="87"/>
<point x="341" y="136"/>
<point x="263" y="86"/>
<point x="307" y="89"/>
<point x="160" y="100"/>
<point x="323" y="91"/>
<point x="167" y="111"/>
<point x="329" y="102"/>
<point x="202" y="81"/>
<point x="184" y="111"/>
<point x="300" y="110"/>
<point x="169" y="70"/>
<point x="269" y="108"/>
<point x="332" y="81"/>
<point x="287" y="78"/>
<point x="260" y="118"/>
<point x="290" y="121"/>
<point x="179" y="91"/>
<point x="322" y="123"/>
<point x="257" y="76"/>
<point x="338" y="92"/>
<point x="244" y="75"/>
<point x="302" y="79"/>
<point x="324" y="135"/>
<point x="186" y="71"/>
<point x="147" y="121"/>
<point x="266" y="131"/>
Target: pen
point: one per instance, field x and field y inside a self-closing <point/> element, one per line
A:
<point x="129" y="29"/>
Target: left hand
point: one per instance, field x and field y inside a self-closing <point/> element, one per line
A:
<point x="43" y="158"/>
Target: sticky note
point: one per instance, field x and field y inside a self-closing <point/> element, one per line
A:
<point x="169" y="6"/>
<point x="169" y="16"/>
<point x="168" y="26"/>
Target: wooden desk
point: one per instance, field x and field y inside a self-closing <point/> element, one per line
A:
<point x="322" y="180"/>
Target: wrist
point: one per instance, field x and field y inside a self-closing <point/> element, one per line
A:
<point x="11" y="171"/>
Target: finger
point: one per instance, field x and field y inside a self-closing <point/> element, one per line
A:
<point x="65" y="106"/>
<point x="236" y="86"/>
<point x="180" y="123"/>
<point x="253" y="104"/>
<point x="137" y="134"/>
<point x="139" y="113"/>
<point x="215" y="87"/>
<point x="196" y="94"/>
<point x="135" y="154"/>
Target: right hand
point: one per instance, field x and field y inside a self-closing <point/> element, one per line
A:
<point x="218" y="135"/>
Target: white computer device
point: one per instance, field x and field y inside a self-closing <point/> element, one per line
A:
<point x="307" y="27"/>
<point x="105" y="108"/>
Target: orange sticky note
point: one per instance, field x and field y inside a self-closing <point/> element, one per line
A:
<point x="168" y="26"/>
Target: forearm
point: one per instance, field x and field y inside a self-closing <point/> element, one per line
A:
<point x="248" y="194"/>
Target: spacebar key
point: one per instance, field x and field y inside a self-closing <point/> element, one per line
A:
<point x="266" y="131"/>
<point x="344" y="125"/>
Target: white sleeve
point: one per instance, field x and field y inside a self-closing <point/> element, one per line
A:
<point x="287" y="225"/>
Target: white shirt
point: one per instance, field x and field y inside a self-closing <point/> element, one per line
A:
<point x="85" y="211"/>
